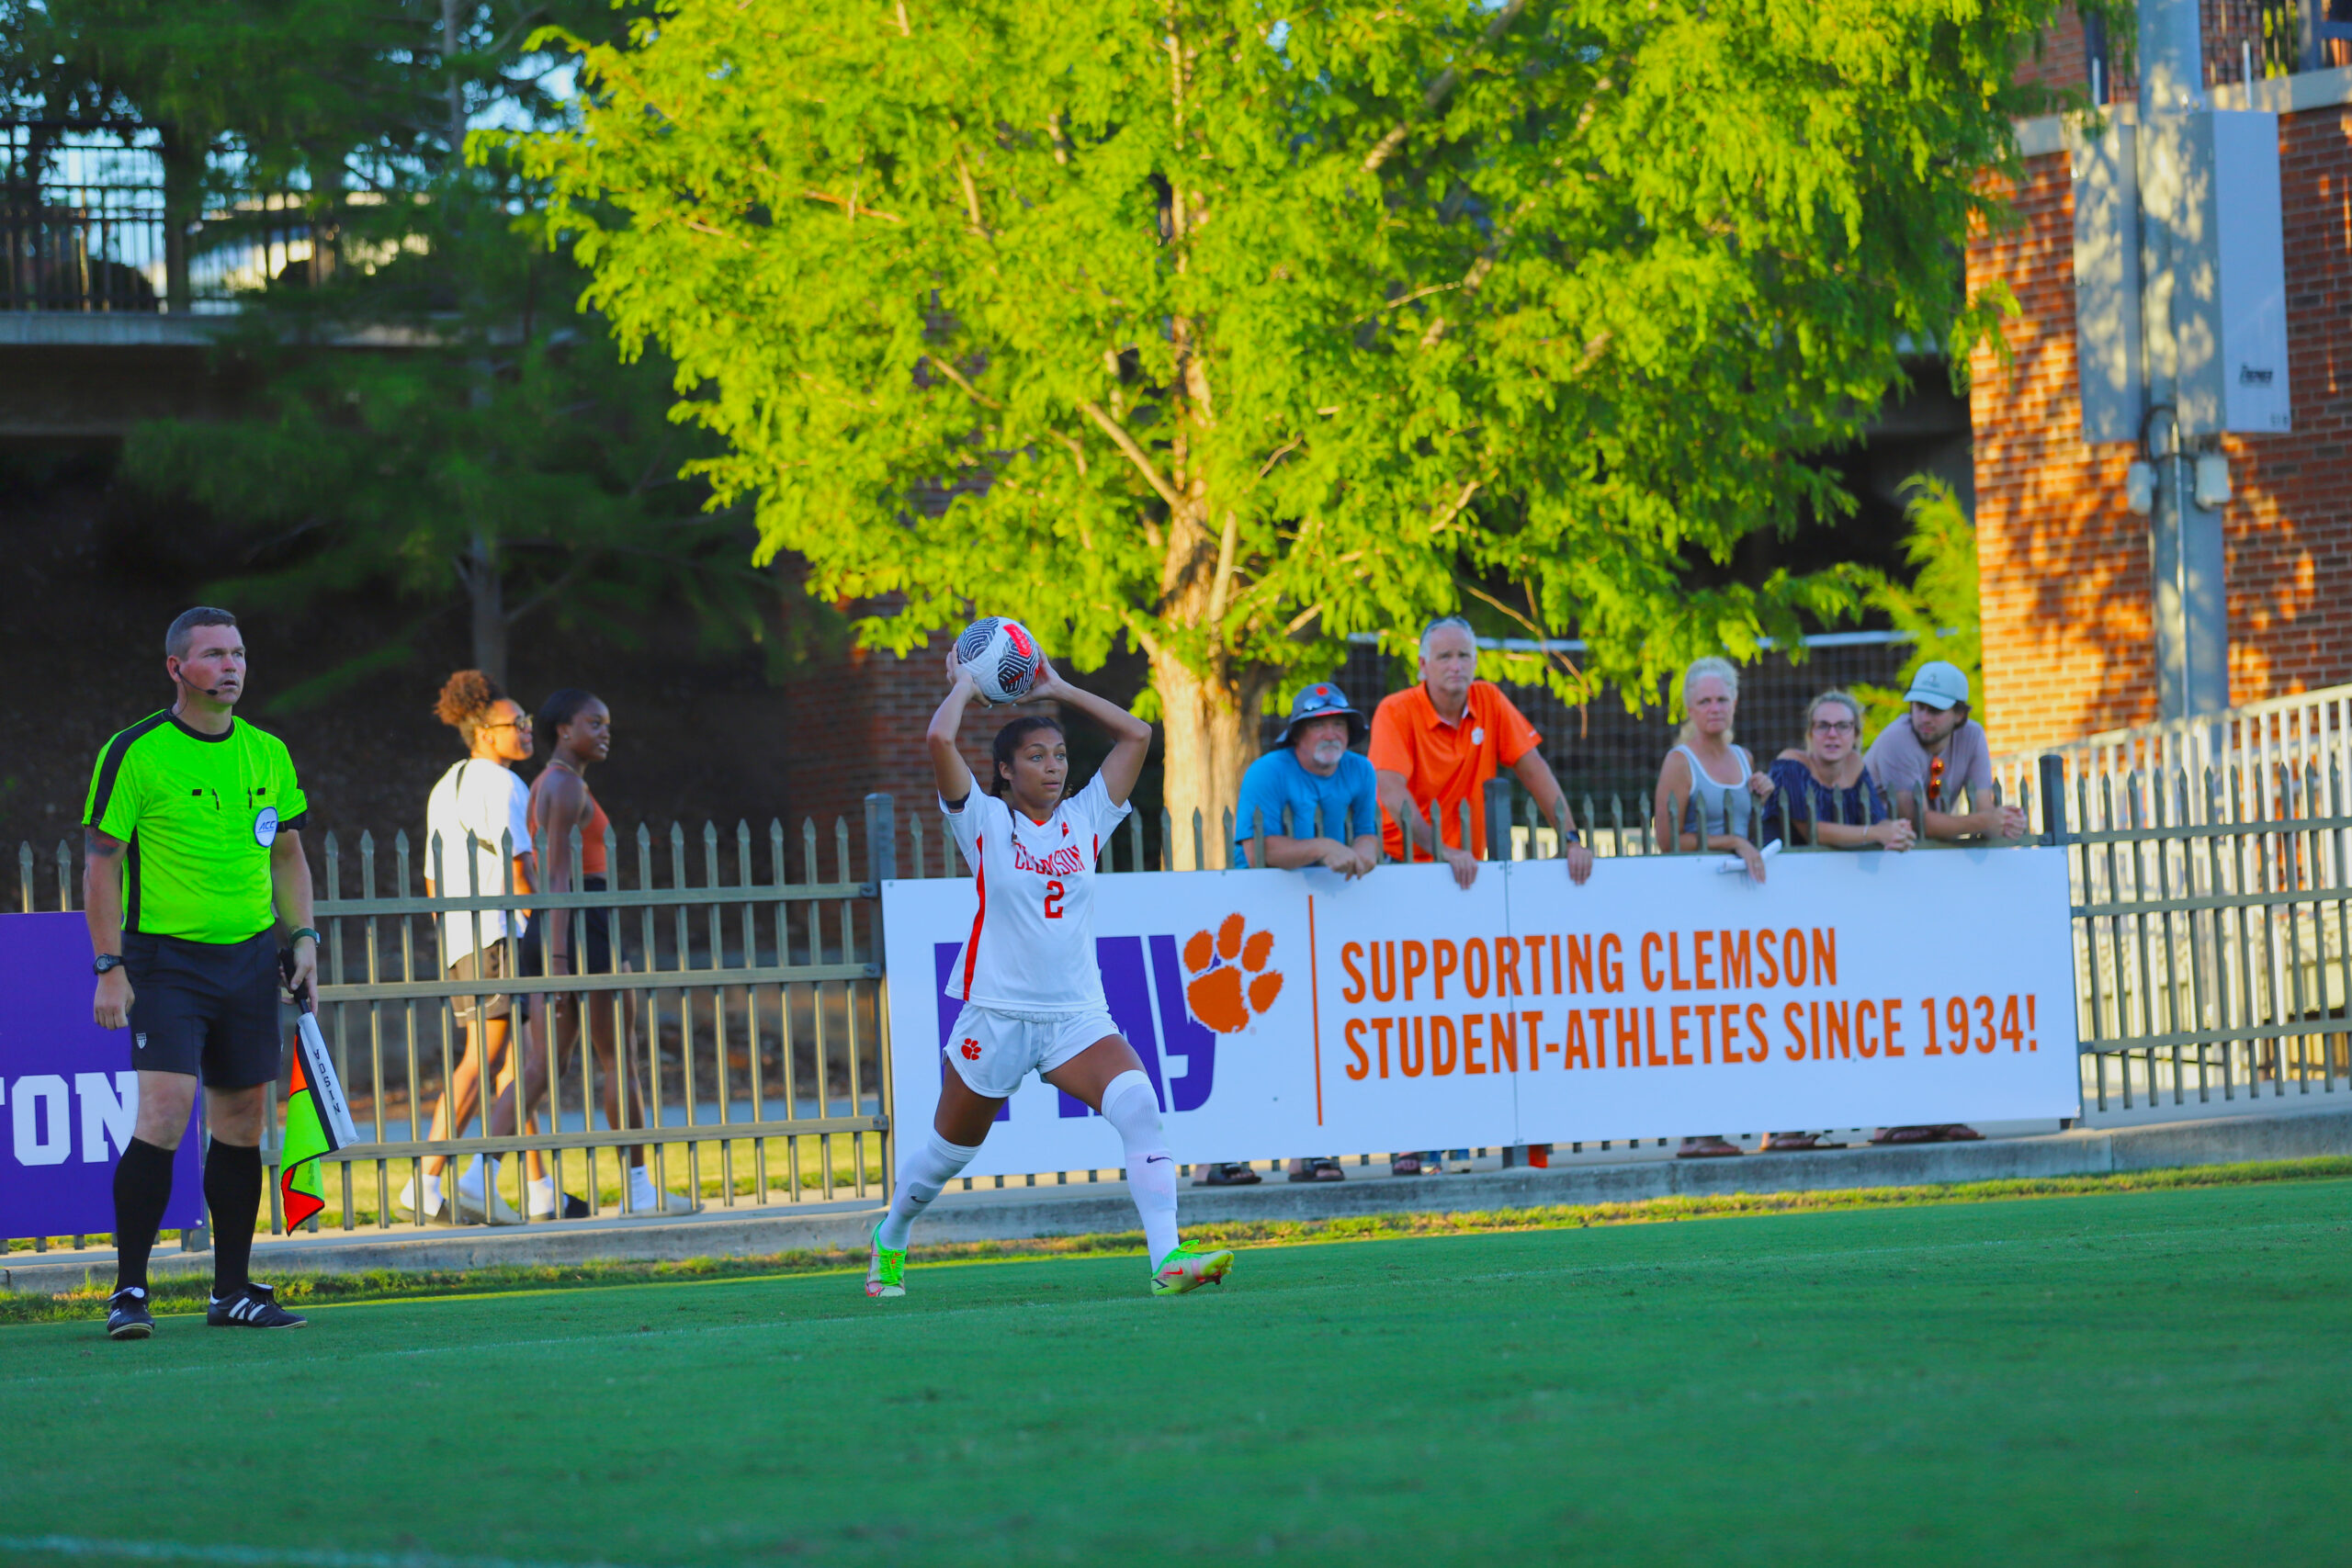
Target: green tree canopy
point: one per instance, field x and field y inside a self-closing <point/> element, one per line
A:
<point x="1939" y="608"/>
<point x="1230" y="335"/>
<point x="434" y="416"/>
<point x="512" y="469"/>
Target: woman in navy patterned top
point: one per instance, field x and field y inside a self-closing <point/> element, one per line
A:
<point x="1826" y="788"/>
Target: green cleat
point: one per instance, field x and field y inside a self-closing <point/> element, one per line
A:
<point x="1188" y="1268"/>
<point x="887" y="1274"/>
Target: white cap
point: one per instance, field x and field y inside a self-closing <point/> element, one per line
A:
<point x="1938" y="685"/>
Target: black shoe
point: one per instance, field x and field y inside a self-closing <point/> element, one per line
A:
<point x="1234" y="1175"/>
<point x="126" y="1315"/>
<point x="251" y="1307"/>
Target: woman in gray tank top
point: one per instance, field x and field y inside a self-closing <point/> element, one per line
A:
<point x="1708" y="798"/>
<point x="1709" y="793"/>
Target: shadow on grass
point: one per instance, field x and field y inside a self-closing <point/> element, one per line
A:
<point x="185" y="1295"/>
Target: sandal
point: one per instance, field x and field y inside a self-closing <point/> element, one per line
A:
<point x="1325" y="1170"/>
<point x="1707" y="1148"/>
<point x="1234" y="1175"/>
<point x="1788" y="1143"/>
<point x="1405" y="1164"/>
<point x="1958" y="1133"/>
<point x="1903" y="1135"/>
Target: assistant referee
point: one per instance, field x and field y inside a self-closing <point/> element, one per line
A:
<point x="194" y="864"/>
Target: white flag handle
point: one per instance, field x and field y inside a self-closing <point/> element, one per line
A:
<point x="318" y="1066"/>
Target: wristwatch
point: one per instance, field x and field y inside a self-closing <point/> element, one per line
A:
<point x="1569" y="838"/>
<point x="106" y="961"/>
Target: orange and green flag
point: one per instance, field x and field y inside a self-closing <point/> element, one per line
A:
<point x="318" y="1121"/>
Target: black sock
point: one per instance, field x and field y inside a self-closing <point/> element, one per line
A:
<point x="142" y="1186"/>
<point x="233" y="1192"/>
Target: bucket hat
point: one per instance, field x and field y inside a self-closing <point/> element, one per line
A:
<point x="1317" y="701"/>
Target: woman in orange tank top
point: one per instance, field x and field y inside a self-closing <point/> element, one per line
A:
<point x="578" y="731"/>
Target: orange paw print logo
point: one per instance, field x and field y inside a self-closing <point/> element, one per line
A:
<point x="1229" y="982"/>
<point x="972" y="1050"/>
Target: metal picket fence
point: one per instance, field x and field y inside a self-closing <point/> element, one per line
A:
<point x="2211" y="921"/>
<point x="748" y="1029"/>
<point x="744" y="1013"/>
<point x="2250" y="748"/>
<point x="2212" y="912"/>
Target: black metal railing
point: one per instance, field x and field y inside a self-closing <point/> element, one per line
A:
<point x="90" y="222"/>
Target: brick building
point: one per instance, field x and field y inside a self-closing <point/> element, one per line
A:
<point x="2065" y="569"/>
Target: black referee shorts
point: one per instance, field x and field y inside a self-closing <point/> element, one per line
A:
<point x="205" y="1009"/>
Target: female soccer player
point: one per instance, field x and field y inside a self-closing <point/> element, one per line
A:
<point x="1032" y="993"/>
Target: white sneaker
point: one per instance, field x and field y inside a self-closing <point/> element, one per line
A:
<point x="659" y="1203"/>
<point x="406" y="1200"/>
<point x="470" y="1207"/>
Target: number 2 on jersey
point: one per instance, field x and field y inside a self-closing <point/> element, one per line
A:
<point x="1054" y="901"/>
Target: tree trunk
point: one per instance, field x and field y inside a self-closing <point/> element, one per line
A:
<point x="485" y="581"/>
<point x="1208" y="734"/>
<point x="453" y="85"/>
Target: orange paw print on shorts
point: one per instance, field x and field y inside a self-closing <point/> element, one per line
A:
<point x="1220" y="995"/>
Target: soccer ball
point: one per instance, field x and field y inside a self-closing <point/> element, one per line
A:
<point x="1000" y="657"/>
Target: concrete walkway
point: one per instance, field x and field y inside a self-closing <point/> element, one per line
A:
<point x="1013" y="1212"/>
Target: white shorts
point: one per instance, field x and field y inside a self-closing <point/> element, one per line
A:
<point x="992" y="1052"/>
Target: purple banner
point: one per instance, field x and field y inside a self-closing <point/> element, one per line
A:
<point x="68" y="1097"/>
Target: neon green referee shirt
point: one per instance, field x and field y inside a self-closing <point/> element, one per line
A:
<point x="199" y="813"/>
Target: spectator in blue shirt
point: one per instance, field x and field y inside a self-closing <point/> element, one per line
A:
<point x="1316" y="800"/>
<point x="1312" y="800"/>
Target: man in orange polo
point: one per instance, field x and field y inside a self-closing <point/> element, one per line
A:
<point x="1435" y="746"/>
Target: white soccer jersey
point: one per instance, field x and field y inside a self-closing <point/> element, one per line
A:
<point x="1032" y="947"/>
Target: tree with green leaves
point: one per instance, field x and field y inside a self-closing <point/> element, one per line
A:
<point x="1938" y="609"/>
<point x="513" y="471"/>
<point x="1228" y="336"/>
<point x="434" y="416"/>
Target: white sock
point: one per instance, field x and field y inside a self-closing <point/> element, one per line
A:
<point x="470" y="1182"/>
<point x="542" y="1199"/>
<point x="922" y="1176"/>
<point x="641" y="1195"/>
<point x="1129" y="1105"/>
<point x="428" y="1192"/>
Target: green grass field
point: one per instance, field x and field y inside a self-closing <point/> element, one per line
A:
<point x="2136" y="1377"/>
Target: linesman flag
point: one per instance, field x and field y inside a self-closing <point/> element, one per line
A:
<point x="318" y="1120"/>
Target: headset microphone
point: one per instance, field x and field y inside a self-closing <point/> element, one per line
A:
<point x="208" y="691"/>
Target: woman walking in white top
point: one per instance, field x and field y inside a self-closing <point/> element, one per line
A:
<point x="1030" y="990"/>
<point x="475" y="819"/>
<point x="1708" y="798"/>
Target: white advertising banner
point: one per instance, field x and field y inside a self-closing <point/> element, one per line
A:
<point x="1284" y="1013"/>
